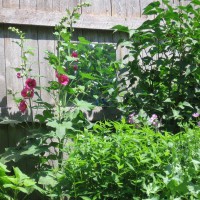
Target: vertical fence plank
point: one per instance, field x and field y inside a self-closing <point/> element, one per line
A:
<point x="45" y="42"/>
<point x="132" y="8"/>
<point x="1" y="4"/>
<point x="98" y="7"/>
<point x="45" y="5"/>
<point x="68" y="4"/>
<point x="3" y="98"/>
<point x="10" y="3"/>
<point x="118" y="8"/>
<point x="13" y="60"/>
<point x="28" y="4"/>
<point x="56" y="5"/>
<point x="33" y="61"/>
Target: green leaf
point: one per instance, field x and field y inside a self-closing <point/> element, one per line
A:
<point x="121" y="28"/>
<point x="83" y="104"/>
<point x="152" y="8"/>
<point x="85" y="198"/>
<point x="87" y="76"/>
<point x="82" y="40"/>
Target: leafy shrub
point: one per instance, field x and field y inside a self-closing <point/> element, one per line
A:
<point x="12" y="185"/>
<point x="163" y="71"/>
<point x="117" y="161"/>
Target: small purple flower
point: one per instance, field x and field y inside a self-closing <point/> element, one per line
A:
<point x="130" y="118"/>
<point x="195" y="115"/>
<point x="153" y="118"/>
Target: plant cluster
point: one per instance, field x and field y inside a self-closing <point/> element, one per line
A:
<point x="12" y="185"/>
<point x="163" y="71"/>
<point x="115" y="160"/>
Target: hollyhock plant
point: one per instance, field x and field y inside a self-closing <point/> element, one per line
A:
<point x="19" y="75"/>
<point x="27" y="93"/>
<point x="30" y="83"/>
<point x="22" y="106"/>
<point x="63" y="79"/>
<point x="74" y="54"/>
<point x="75" y="68"/>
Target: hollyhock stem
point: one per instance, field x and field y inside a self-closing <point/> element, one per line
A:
<point x="31" y="110"/>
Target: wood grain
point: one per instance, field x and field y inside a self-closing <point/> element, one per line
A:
<point x="132" y="8"/>
<point x="10" y="3"/>
<point x="13" y="60"/>
<point x="56" y="5"/>
<point x="98" y="7"/>
<point x="45" y="18"/>
<point x="28" y="4"/>
<point x="45" y="43"/>
<point x="33" y="60"/>
<point x="3" y="93"/>
<point x="118" y="8"/>
<point x="46" y="5"/>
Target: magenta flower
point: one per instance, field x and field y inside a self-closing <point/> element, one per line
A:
<point x="195" y="115"/>
<point x="19" y="75"/>
<point x="63" y="79"/>
<point x="30" y="83"/>
<point x="74" y="54"/>
<point x="75" y="67"/>
<point x="27" y="93"/>
<point x="22" y="106"/>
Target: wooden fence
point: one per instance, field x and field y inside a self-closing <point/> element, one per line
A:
<point x="38" y="18"/>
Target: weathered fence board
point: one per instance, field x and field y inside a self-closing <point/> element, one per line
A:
<point x="3" y="99"/>
<point x="46" y="42"/>
<point x="132" y="10"/>
<point x="12" y="57"/>
<point x="10" y="3"/>
<point x="28" y="4"/>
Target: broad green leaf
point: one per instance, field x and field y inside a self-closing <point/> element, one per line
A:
<point x="82" y="40"/>
<point x="121" y="28"/>
<point x="83" y="104"/>
<point x="87" y="76"/>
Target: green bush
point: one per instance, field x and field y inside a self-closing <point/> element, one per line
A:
<point x="117" y="161"/>
<point x="163" y="71"/>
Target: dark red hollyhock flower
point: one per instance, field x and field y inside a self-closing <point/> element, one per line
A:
<point x="30" y="83"/>
<point x="27" y="93"/>
<point x="22" y="106"/>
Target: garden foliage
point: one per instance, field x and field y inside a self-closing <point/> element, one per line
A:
<point x="115" y="160"/>
<point x="12" y="185"/>
<point x="163" y="69"/>
<point x="75" y="159"/>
